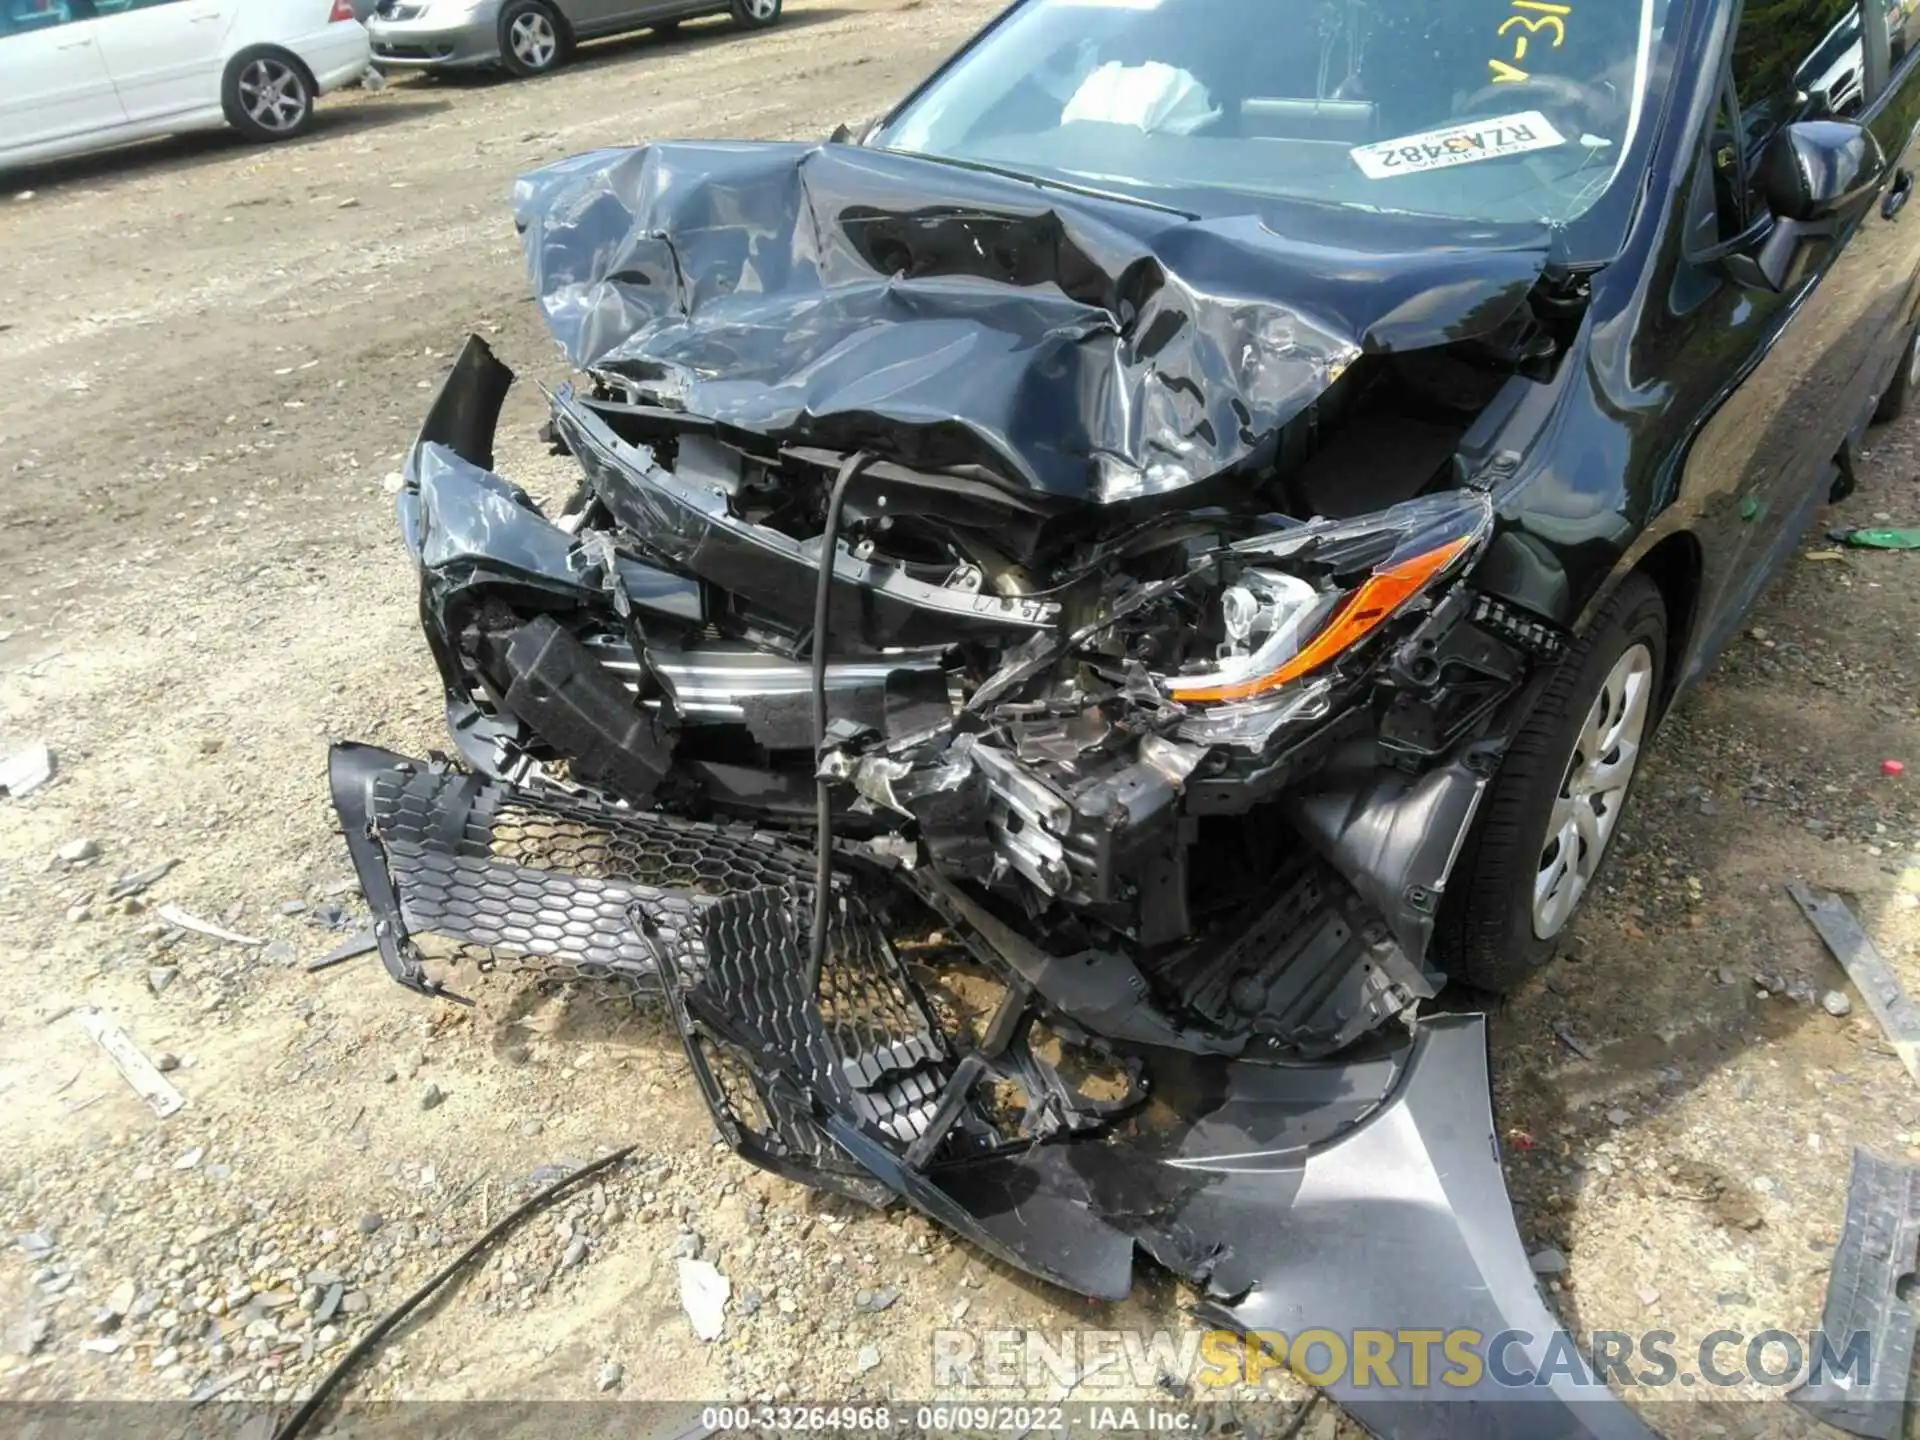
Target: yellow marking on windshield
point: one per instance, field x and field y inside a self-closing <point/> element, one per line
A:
<point x="1549" y="19"/>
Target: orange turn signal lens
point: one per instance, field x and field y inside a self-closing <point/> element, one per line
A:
<point x="1384" y="592"/>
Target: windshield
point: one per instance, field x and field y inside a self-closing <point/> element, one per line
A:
<point x="1481" y="110"/>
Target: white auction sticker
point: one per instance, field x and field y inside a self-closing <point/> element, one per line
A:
<point x="1457" y="145"/>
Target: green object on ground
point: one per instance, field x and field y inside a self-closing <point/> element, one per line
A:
<point x="1880" y="539"/>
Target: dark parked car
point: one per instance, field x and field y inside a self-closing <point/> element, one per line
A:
<point x="1196" y="516"/>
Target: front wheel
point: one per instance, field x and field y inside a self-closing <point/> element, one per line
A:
<point x="532" y="40"/>
<point x="1551" y="812"/>
<point x="267" y="95"/>
<point x="755" y="14"/>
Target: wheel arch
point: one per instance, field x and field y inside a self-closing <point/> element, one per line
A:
<point x="279" y="52"/>
<point x="568" y="38"/>
<point x="1676" y="565"/>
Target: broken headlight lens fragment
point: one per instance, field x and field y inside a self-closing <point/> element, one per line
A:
<point x="1279" y="625"/>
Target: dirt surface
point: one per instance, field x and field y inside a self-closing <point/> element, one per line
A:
<point x="211" y="357"/>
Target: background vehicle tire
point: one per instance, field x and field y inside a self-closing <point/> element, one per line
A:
<point x="267" y="94"/>
<point x="1550" y="813"/>
<point x="756" y="14"/>
<point x="1893" y="403"/>
<point x="533" y="40"/>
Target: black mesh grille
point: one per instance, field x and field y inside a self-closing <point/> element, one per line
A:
<point x="546" y="881"/>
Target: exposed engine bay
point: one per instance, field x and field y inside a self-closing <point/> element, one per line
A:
<point x="1096" y="583"/>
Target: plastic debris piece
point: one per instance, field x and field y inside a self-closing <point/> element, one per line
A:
<point x="360" y="944"/>
<point x="24" y="771"/>
<point x="1879" y="539"/>
<point x="174" y="915"/>
<point x="130" y="885"/>
<point x="1854" y="949"/>
<point x="703" y="1295"/>
<point x="1893" y="767"/>
<point x="1867" y="1294"/>
<point x="141" y="1073"/>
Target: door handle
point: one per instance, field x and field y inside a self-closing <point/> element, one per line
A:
<point x="1898" y="193"/>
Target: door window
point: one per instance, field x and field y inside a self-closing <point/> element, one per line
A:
<point x="19" y="17"/>
<point x="1792" y="60"/>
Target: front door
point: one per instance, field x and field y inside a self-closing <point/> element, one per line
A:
<point x="53" y="82"/>
<point x="164" y="55"/>
<point x="1804" y="360"/>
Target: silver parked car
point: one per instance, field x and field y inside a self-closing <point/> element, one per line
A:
<point x="527" y="37"/>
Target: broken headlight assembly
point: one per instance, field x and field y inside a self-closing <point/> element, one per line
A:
<point x="1291" y="604"/>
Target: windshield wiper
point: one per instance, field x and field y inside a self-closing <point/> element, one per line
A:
<point x="1045" y="181"/>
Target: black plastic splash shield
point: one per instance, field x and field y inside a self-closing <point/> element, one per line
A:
<point x="964" y="322"/>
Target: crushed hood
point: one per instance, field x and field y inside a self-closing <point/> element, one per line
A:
<point x="964" y="322"/>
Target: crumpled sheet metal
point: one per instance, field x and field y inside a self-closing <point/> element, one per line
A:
<point x="956" y="320"/>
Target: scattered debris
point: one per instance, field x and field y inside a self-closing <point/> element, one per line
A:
<point x="609" y="1377"/>
<point x="432" y="1096"/>
<point x="141" y="1072"/>
<point x="1836" y="1004"/>
<point x="1869" y="1293"/>
<point x="867" y="1359"/>
<point x="1574" y="1043"/>
<point x="1548" y="1262"/>
<point x="1854" y="949"/>
<point x="1893" y="768"/>
<point x="24" y="771"/>
<point x="703" y="1295"/>
<point x="159" y="977"/>
<point x="129" y="885"/>
<point x="1872" y="538"/>
<point x="75" y="852"/>
<point x="361" y="944"/>
<point x="174" y="915"/>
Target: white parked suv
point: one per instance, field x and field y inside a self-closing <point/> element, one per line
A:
<point x="79" y="75"/>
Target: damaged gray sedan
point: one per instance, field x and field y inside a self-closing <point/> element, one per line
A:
<point x="1087" y="603"/>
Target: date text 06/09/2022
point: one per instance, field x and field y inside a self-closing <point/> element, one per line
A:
<point x="944" y="1418"/>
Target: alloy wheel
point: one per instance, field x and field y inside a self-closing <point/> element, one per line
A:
<point x="273" y="94"/>
<point x="1913" y="360"/>
<point x="1593" y="791"/>
<point x="762" y="9"/>
<point x="534" y="40"/>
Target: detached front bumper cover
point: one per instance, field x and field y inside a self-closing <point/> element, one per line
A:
<point x="1360" y="1194"/>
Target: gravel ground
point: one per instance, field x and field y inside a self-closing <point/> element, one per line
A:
<point x="210" y="358"/>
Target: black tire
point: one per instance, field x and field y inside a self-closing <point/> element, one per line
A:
<point x="667" y="29"/>
<point x="1893" y="400"/>
<point x="1487" y="936"/>
<point x="533" y="38"/>
<point x="268" y="94"/>
<point x="756" y="14"/>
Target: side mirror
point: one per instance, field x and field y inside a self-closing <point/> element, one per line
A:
<point x="1811" y="174"/>
<point x="1814" y="170"/>
<point x="856" y="133"/>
